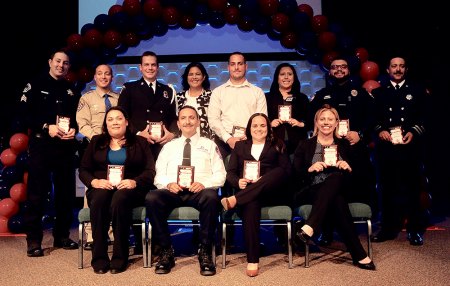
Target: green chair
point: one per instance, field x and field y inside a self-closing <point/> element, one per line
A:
<point x="271" y="215"/>
<point x="139" y="219"/>
<point x="361" y="213"/>
<point x="185" y="216"/>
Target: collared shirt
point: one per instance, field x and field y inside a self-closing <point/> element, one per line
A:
<point x="205" y="157"/>
<point x="91" y="112"/>
<point x="232" y="105"/>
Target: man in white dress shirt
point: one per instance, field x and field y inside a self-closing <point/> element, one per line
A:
<point x="208" y="175"/>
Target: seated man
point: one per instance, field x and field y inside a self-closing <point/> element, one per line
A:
<point x="194" y="184"/>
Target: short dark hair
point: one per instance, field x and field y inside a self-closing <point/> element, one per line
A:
<point x="187" y="107"/>
<point x="237" y="53"/>
<point x="151" y="54"/>
<point x="184" y="81"/>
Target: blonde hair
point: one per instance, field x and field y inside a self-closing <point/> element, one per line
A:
<point x="326" y="107"/>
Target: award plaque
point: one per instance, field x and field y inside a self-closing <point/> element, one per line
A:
<point x="238" y="131"/>
<point x="284" y="112"/>
<point x="63" y="123"/>
<point x="343" y="127"/>
<point x="185" y="176"/>
<point x="330" y="155"/>
<point x="155" y="129"/>
<point x="396" y="135"/>
<point x="251" y="170"/>
<point x="115" y="174"/>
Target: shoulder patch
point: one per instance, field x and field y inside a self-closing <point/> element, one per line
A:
<point x="80" y="105"/>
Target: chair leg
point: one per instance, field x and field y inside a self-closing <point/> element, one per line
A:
<point x="80" y="244"/>
<point x="289" y="243"/>
<point x="144" y="244"/>
<point x="224" y="244"/>
<point x="306" y="255"/>
<point x="369" y="242"/>
<point x="149" y="245"/>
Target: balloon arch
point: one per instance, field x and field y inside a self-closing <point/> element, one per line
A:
<point x="295" y="26"/>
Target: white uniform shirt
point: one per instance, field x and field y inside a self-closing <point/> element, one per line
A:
<point x="205" y="156"/>
<point x="232" y="105"/>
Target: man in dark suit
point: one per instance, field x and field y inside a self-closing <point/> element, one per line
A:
<point x="399" y="115"/>
<point x="149" y="102"/>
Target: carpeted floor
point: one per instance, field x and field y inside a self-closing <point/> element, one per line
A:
<point x="398" y="263"/>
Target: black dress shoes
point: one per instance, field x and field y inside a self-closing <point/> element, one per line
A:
<point x="365" y="266"/>
<point x="118" y="270"/>
<point x="415" y="238"/>
<point x="88" y="246"/>
<point x="101" y="270"/>
<point x="65" y="243"/>
<point x="382" y="236"/>
<point x="35" y="252"/>
<point x="166" y="261"/>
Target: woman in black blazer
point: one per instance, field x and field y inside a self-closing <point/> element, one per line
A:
<point x="269" y="189"/>
<point x="112" y="195"/>
<point x="323" y="181"/>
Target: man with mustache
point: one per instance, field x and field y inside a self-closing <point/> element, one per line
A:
<point x="206" y="172"/>
<point x="399" y="109"/>
<point x="354" y="104"/>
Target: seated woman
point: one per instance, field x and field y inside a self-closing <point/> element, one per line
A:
<point x="118" y="169"/>
<point x="324" y="175"/>
<point x="262" y="148"/>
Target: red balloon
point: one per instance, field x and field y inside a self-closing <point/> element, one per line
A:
<point x="8" y="157"/>
<point x="93" y="38"/>
<point x="289" y="40"/>
<point x="4" y="225"/>
<point x="327" y="41"/>
<point x="328" y="58"/>
<point x="8" y="207"/>
<point x="319" y="23"/>
<point x="132" y="7"/>
<point x="231" y="15"/>
<point x="280" y="22"/>
<point x="18" y="192"/>
<point x="217" y="5"/>
<point x="152" y="9"/>
<point x="362" y="54"/>
<point x="131" y="39"/>
<point x="268" y="7"/>
<point x="18" y="143"/>
<point x="187" y="22"/>
<point x="75" y="42"/>
<point x="85" y="74"/>
<point x="114" y="9"/>
<point x="370" y="84"/>
<point x="305" y="8"/>
<point x="171" y="16"/>
<point x="369" y="70"/>
<point x="112" y="39"/>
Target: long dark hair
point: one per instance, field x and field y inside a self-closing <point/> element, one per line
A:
<point x="105" y="137"/>
<point x="275" y="87"/>
<point x="273" y="140"/>
<point x="184" y="81"/>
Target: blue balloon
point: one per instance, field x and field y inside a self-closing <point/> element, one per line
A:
<point x="216" y="19"/>
<point x="288" y="7"/>
<point x="301" y="22"/>
<point x="262" y="25"/>
<point x="159" y="28"/>
<point x="120" y="22"/>
<point x="15" y="224"/>
<point x="86" y="27"/>
<point x="22" y="160"/>
<point x="139" y="24"/>
<point x="11" y="175"/>
<point x="102" y="22"/>
<point x="201" y="14"/>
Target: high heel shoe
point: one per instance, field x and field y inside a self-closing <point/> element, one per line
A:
<point x="252" y="272"/>
<point x="365" y="266"/>
<point x="226" y="204"/>
<point x="303" y="236"/>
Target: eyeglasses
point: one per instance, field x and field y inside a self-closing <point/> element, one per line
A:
<point x="342" y="67"/>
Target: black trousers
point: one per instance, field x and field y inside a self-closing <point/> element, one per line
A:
<point x="400" y="177"/>
<point x="328" y="201"/>
<point x="114" y="206"/>
<point x="51" y="167"/>
<point x="161" y="202"/>
<point x="270" y="189"/>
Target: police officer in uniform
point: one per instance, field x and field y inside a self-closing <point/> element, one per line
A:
<point x="148" y="101"/>
<point x="48" y="106"/>
<point x="354" y="104"/>
<point x="400" y="107"/>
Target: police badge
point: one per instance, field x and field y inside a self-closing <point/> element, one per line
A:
<point x="354" y="92"/>
<point x="409" y="97"/>
<point x="166" y="94"/>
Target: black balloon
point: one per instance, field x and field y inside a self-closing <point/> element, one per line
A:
<point x="102" y="22"/>
<point x="15" y="224"/>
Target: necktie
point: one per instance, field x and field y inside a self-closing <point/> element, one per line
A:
<point x="187" y="153"/>
<point x="107" y="102"/>
<point x="152" y="92"/>
<point x="397" y="87"/>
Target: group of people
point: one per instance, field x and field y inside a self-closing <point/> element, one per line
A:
<point x="152" y="146"/>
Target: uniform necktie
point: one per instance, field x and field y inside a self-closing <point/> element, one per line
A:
<point x="397" y="86"/>
<point x="187" y="153"/>
<point x="152" y="92"/>
<point x="107" y="102"/>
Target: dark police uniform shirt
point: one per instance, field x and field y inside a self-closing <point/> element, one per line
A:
<point x="404" y="107"/>
<point x="350" y="102"/>
<point x="143" y="106"/>
<point x="42" y="100"/>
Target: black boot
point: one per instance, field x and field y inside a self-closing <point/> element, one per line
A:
<point x="166" y="261"/>
<point x="207" y="265"/>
